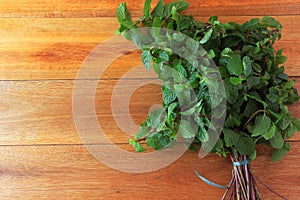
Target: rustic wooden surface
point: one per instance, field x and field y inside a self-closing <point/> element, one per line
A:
<point x="42" y="46"/>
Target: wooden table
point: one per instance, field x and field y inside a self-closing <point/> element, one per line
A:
<point x="42" y="46"/>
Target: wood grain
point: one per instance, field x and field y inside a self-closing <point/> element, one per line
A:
<point x="106" y="8"/>
<point x="57" y="172"/>
<point x="40" y="112"/>
<point x="25" y="54"/>
<point x="43" y="45"/>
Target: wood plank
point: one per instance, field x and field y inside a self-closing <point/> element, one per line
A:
<point x="60" y="172"/>
<point x="40" y="112"/>
<point x="106" y="8"/>
<point x="34" y="49"/>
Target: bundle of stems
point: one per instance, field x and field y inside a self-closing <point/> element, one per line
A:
<point x="243" y="184"/>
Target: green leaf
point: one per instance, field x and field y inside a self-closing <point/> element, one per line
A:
<point x="159" y="9"/>
<point x="164" y="56"/>
<point x="280" y="59"/>
<point x="146" y="9"/>
<point x="187" y="129"/>
<point x="211" y="53"/>
<point x="296" y="122"/>
<point x="251" y="108"/>
<point x="157" y="22"/>
<point x="168" y="95"/>
<point x="247" y="66"/>
<point x="183" y="94"/>
<point x="138" y="147"/>
<point x="291" y="130"/>
<point x="253" y="81"/>
<point x="235" y="80"/>
<point x="178" y="37"/>
<point x="270" y="133"/>
<point x="277" y="141"/>
<point x="179" y="5"/>
<point x="245" y="145"/>
<point x="143" y="132"/>
<point x="194" y="109"/>
<point x="235" y="65"/>
<point x="158" y="140"/>
<point x="231" y="92"/>
<point x="213" y="19"/>
<point x="147" y="59"/>
<point x="232" y="121"/>
<point x="180" y="69"/>
<point x="262" y="125"/>
<point x="124" y="17"/>
<point x="250" y="25"/>
<point x="202" y="135"/>
<point x="284" y="122"/>
<point x="257" y="67"/>
<point x="155" y="117"/>
<point x="271" y="22"/>
<point x="171" y="109"/>
<point x="206" y="37"/>
<point x="278" y="154"/>
<point x="254" y="95"/>
<point x="231" y="137"/>
<point x="192" y="45"/>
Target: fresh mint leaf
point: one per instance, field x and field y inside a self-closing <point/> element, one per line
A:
<point x="124" y="17"/>
<point x="270" y="133"/>
<point x="291" y="130"/>
<point x="296" y="122"/>
<point x="250" y="25"/>
<point x="206" y="37"/>
<point x="168" y="95"/>
<point x="179" y="5"/>
<point x="235" y="65"/>
<point x="171" y="110"/>
<point x="164" y="56"/>
<point x="187" y="129"/>
<point x="138" y="147"/>
<point x="280" y="59"/>
<point x="213" y="19"/>
<point x="144" y="130"/>
<point x="231" y="137"/>
<point x="271" y="22"/>
<point x="178" y="37"/>
<point x="284" y="122"/>
<point x="156" y="117"/>
<point x="262" y="125"/>
<point x="158" y="141"/>
<point x="147" y="59"/>
<point x="192" y="45"/>
<point x="251" y="108"/>
<point x="158" y="9"/>
<point x="277" y="141"/>
<point x="245" y="145"/>
<point x="232" y="121"/>
<point x="202" y="134"/>
<point x="157" y="22"/>
<point x="247" y="66"/>
<point x="278" y="154"/>
<point x="146" y="9"/>
<point x="235" y="80"/>
<point x="253" y="81"/>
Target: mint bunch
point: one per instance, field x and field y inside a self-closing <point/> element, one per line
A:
<point x="258" y="91"/>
